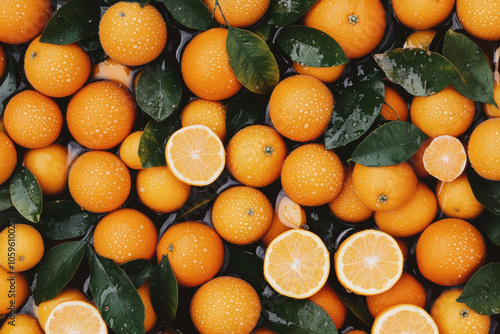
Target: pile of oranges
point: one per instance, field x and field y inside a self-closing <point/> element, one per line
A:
<point x="405" y="236"/>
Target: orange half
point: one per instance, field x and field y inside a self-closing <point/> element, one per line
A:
<point x="404" y="319"/>
<point x="445" y="158"/>
<point x="75" y="317"/>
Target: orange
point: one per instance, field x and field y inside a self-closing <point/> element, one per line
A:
<point x="129" y="150"/>
<point x="99" y="182"/>
<point x="28" y="247"/>
<point x="209" y="113"/>
<point x="32" y="120"/>
<point x="238" y="13"/>
<point x="8" y="157"/>
<point x="323" y="74"/>
<point x="330" y="301"/>
<point x="242" y="215"/>
<point x="312" y="175"/>
<point x="385" y="188"/>
<point x="417" y="160"/>
<point x="404" y="248"/>
<point x="413" y="217"/>
<point x="480" y="18"/>
<point x="450" y="251"/>
<point x="74" y="316"/>
<point x="49" y="165"/>
<point x="457" y="318"/>
<point x="3" y="61"/>
<point x="225" y="304"/>
<point x="205" y="66"/>
<point x="101" y="115"/>
<point x="262" y="330"/>
<point x="404" y="319"/>
<point x="484" y="149"/>
<point x="195" y="155"/>
<point x="289" y="212"/>
<point x="14" y="291"/>
<point x="369" y="262"/>
<point x="356" y="331"/>
<point x="194" y="250"/>
<point x="112" y="70"/>
<point x="423" y="14"/>
<point x="445" y="158"/>
<point x="125" y="235"/>
<point x="420" y="39"/>
<point x="444" y="113"/>
<point x="150" y="316"/>
<point x="407" y="290"/>
<point x="277" y="227"/>
<point x="21" y="324"/>
<point x="357" y="25"/>
<point x="132" y="35"/>
<point x="255" y="155"/>
<point x="395" y="107"/>
<point x="300" y="107"/>
<point x="22" y="20"/>
<point x="56" y="70"/>
<point x="346" y="205"/>
<point x="44" y="309"/>
<point x="155" y="187"/>
<point x="297" y="264"/>
<point x="457" y="200"/>
<point x="489" y="109"/>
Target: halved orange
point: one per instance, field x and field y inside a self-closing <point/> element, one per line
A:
<point x="369" y="262"/>
<point x="75" y="316"/>
<point x="297" y="263"/>
<point x="289" y="212"/>
<point x="445" y="158"/>
<point x="195" y="155"/>
<point x="404" y="319"/>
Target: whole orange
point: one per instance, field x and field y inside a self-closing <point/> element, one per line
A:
<point x="331" y="302"/>
<point x="239" y="13"/>
<point x="456" y="199"/>
<point x="423" y="14"/>
<point x="22" y="323"/>
<point x="28" y="247"/>
<point x="484" y="149"/>
<point x="8" y="157"/>
<point x="150" y="316"/>
<point x="323" y="74"/>
<point x="22" y="20"/>
<point x="14" y="290"/>
<point x="395" y="107"/>
<point x="129" y="150"/>
<point x="480" y="18"/>
<point x="208" y="113"/>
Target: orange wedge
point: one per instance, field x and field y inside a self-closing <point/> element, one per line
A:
<point x="297" y="263"/>
<point x="369" y="262"/>
<point x="445" y="158"/>
<point x="75" y="316"/>
<point x="289" y="212"/>
<point x="404" y="319"/>
<point x="195" y="155"/>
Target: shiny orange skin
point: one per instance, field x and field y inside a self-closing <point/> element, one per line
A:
<point x="29" y="247"/>
<point x="456" y="199"/>
<point x="484" y="149"/>
<point x="423" y="14"/>
<point x="323" y="74"/>
<point x="480" y="18"/>
<point x="150" y="316"/>
<point x="331" y="302"/>
<point x="8" y="157"/>
<point x="21" y="324"/>
<point x="208" y="113"/>
<point x="238" y="13"/>
<point x="395" y="107"/>
<point x="129" y="150"/>
<point x="19" y="284"/>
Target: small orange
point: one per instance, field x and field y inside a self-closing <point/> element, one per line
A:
<point x="277" y="227"/>
<point x="484" y="149"/>
<point x="32" y="120"/>
<point x="129" y="150"/>
<point x="423" y="14"/>
<point x="403" y="319"/>
<point x="445" y="158"/>
<point x="132" y="35"/>
<point x="68" y="293"/>
<point x="8" y="157"/>
<point x="28" y="244"/>
<point x="312" y="175"/>
<point x="3" y="61"/>
<point x="205" y="112"/>
<point x="110" y="69"/>
<point x="421" y="39"/>
<point x="480" y="18"/>
<point x="457" y="200"/>
<point x="330" y="301"/>
<point x="489" y="109"/>
<point x="125" y="235"/>
<point x="205" y="66"/>
<point x="75" y="316"/>
<point x="194" y="250"/>
<point x="417" y="160"/>
<point x="14" y="290"/>
<point x="323" y="74"/>
<point x="255" y="155"/>
<point x="239" y="13"/>
<point x="395" y="107"/>
<point x="150" y="316"/>
<point x="21" y="324"/>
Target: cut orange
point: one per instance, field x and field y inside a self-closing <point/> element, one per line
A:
<point x="195" y="155"/>
<point x="297" y="263"/>
<point x="404" y="318"/>
<point x="289" y="212"/>
<point x="75" y="316"/>
<point x="445" y="158"/>
<point x="369" y="262"/>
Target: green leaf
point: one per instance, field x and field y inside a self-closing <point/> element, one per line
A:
<point x="486" y="192"/>
<point x="248" y="267"/>
<point x="26" y="195"/>
<point x="192" y="14"/>
<point x="62" y="220"/>
<point x="154" y="139"/>
<point x="115" y="296"/>
<point x="93" y="43"/>
<point x="72" y="22"/>
<point x="164" y="291"/>
<point x="356" y="108"/>
<point x="56" y="269"/>
<point x="482" y="291"/>
<point x="390" y="144"/>
<point x="159" y="89"/>
<point x="489" y="223"/>
<point x="263" y="30"/>
<point x="311" y="47"/>
<point x="252" y="62"/>
<point x="475" y="79"/>
<point x="243" y="110"/>
<point x="5" y="202"/>
<point x="8" y="83"/>
<point x="285" y="12"/>
<point x="419" y="72"/>
<point x="138" y="271"/>
<point x="12" y="216"/>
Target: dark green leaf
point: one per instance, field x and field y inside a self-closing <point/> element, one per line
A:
<point x="92" y="43"/>
<point x="26" y="195"/>
<point x="159" y="89"/>
<point x="65" y="220"/>
<point x="12" y="216"/>
<point x="284" y="12"/>
<point x="252" y="62"/>
<point x="486" y="192"/>
<point x="56" y="269"/>
<point x="355" y="110"/>
<point x="243" y="110"/>
<point x="154" y="139"/>
<point x="193" y="14"/>
<point x="262" y="30"/>
<point x="475" y="79"/>
<point x="419" y="72"/>
<point x="5" y="202"/>
<point x="164" y="290"/>
<point x="311" y="47"/>
<point x="390" y="144"/>
<point x="138" y="271"/>
<point x="8" y="83"/>
<point x="489" y="223"/>
<point x="482" y="291"/>
<point x="72" y="22"/>
<point x="248" y="267"/>
<point x="115" y="296"/>
<point x="323" y="223"/>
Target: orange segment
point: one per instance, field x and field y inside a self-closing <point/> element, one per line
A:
<point x="404" y="318"/>
<point x="75" y="317"/>
<point x="195" y="155"/>
<point x="445" y="158"/>
<point x="297" y="263"/>
<point x="369" y="262"/>
<point x="290" y="213"/>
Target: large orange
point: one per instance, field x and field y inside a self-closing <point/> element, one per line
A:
<point x="422" y="14"/>
<point x="456" y="199"/>
<point x="9" y="283"/>
<point x="484" y="149"/>
<point x="22" y="20"/>
<point x="28" y="247"/>
<point x="8" y="157"/>
<point x="240" y="13"/>
<point x="480" y="18"/>
<point x="205" y="112"/>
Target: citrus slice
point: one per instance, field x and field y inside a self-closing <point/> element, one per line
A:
<point x="297" y="263"/>
<point x="290" y="213"/>
<point x="195" y="155"/>
<point x="369" y="262"/>
<point x="75" y="316"/>
<point x="404" y="318"/>
<point x="445" y="158"/>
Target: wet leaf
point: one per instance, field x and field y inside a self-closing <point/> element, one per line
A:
<point x="91" y="44"/>
<point x="284" y="12"/>
<point x="489" y="223"/>
<point x="248" y="267"/>
<point x="5" y="202"/>
<point x="243" y="110"/>
<point x="482" y="291"/>
<point x="192" y="14"/>
<point x="26" y="195"/>
<point x="322" y="222"/>
<point x="8" y="83"/>
<point x="56" y="269"/>
<point x="262" y="30"/>
<point x="12" y="216"/>
<point x="164" y="291"/>
<point x="486" y="192"/>
<point x="138" y="271"/>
